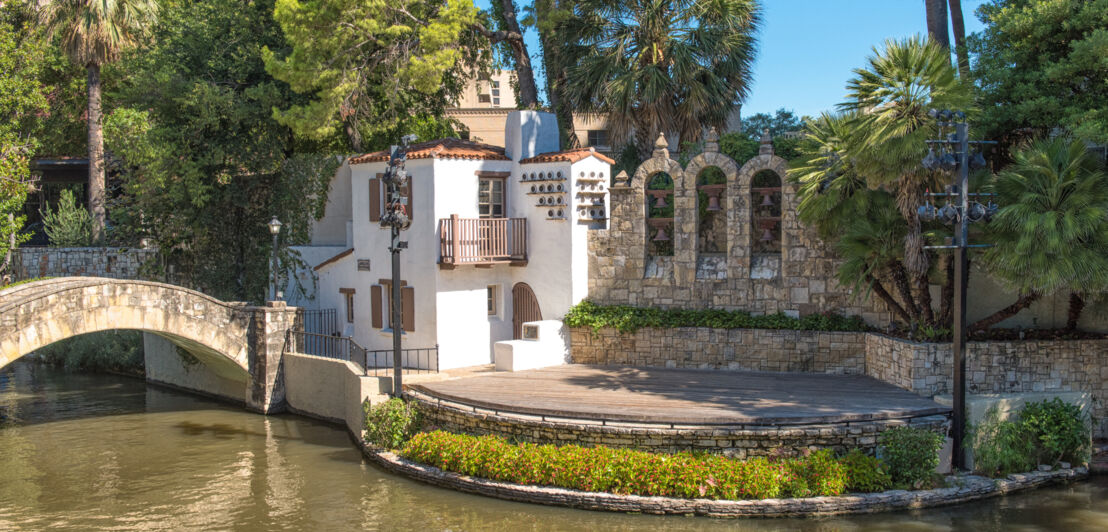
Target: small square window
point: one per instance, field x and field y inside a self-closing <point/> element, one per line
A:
<point x="598" y="137"/>
<point x="496" y="101"/>
<point x="496" y="84"/>
<point x="491" y="297"/>
<point x="483" y="98"/>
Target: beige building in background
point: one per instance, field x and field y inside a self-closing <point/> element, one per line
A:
<point x="486" y="101"/>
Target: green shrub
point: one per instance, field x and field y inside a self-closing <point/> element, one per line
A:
<point x="1001" y="448"/>
<point x="391" y="423"/>
<point x="912" y="454"/>
<point x="115" y="351"/>
<point x="70" y="225"/>
<point x="628" y="471"/>
<point x="1059" y="430"/>
<point x="628" y="319"/>
<point x="864" y="473"/>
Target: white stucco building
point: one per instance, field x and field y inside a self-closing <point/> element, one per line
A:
<point x="498" y="237"/>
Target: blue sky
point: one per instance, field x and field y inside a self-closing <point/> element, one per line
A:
<point x="807" y="48"/>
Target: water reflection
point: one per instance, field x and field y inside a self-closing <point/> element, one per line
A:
<point x="100" y="452"/>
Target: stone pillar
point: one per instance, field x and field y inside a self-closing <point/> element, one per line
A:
<point x="266" y="342"/>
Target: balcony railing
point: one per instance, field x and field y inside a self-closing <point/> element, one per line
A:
<point x="482" y="241"/>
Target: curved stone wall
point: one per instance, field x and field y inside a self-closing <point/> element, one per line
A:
<point x="733" y="440"/>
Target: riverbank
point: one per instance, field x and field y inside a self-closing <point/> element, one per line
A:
<point x="964" y="488"/>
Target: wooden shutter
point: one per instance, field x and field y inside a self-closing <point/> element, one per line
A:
<point x="407" y="305"/>
<point x="375" y="302"/>
<point x="374" y="199"/>
<point x="411" y="200"/>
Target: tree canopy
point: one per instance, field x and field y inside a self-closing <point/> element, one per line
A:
<point x="1041" y="65"/>
<point x="371" y="67"/>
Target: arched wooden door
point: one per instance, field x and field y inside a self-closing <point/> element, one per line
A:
<point x="525" y="308"/>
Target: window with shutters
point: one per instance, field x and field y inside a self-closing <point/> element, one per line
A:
<point x="381" y="300"/>
<point x="348" y="296"/>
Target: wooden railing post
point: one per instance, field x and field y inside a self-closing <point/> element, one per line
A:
<point x="455" y="237"/>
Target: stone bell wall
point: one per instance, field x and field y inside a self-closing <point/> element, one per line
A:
<point x="799" y="281"/>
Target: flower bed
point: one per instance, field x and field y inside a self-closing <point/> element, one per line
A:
<point x="625" y="471"/>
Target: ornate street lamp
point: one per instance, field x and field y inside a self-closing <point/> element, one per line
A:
<point x="275" y="230"/>
<point x="953" y="153"/>
<point x="396" y="218"/>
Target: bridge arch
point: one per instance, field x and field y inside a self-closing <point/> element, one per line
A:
<point x="37" y="314"/>
<point x="231" y="338"/>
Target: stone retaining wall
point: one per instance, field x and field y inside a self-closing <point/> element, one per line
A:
<point x="734" y="349"/>
<point x="733" y="440"/>
<point x="115" y="262"/>
<point x="964" y="489"/>
<point x="996" y="367"/>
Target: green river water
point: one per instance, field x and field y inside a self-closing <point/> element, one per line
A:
<point x="97" y="452"/>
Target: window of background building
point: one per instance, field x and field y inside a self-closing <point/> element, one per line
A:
<point x="598" y="137"/>
<point x="483" y="98"/>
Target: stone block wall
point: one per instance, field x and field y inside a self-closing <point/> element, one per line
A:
<point x="113" y="262"/>
<point x="997" y="367"/>
<point x="800" y="280"/>
<point x="734" y="349"/>
<point x="740" y="441"/>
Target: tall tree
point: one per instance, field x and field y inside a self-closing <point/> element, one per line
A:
<point x="960" y="50"/>
<point x="1041" y="66"/>
<point x="936" y="22"/>
<point x="22" y="100"/>
<point x="94" y="33"/>
<point x="371" y="68"/>
<point x="891" y="97"/>
<point x="663" y="65"/>
<point x="205" y="163"/>
<point x="511" y="35"/>
<point x="554" y="20"/>
<point x="1051" y="233"/>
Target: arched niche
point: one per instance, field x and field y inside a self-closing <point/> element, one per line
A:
<point x="765" y="213"/>
<point x="660" y="200"/>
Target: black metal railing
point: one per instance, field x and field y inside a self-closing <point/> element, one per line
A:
<point x="375" y="363"/>
<point x="319" y="321"/>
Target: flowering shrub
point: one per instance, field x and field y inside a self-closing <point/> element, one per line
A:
<point x="626" y="471"/>
<point x="391" y="423"/>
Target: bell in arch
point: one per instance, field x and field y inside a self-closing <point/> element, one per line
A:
<point x="767" y="235"/>
<point x="661" y="236"/>
<point x="766" y="200"/>
<point x="713" y="203"/>
<point x="660" y="201"/>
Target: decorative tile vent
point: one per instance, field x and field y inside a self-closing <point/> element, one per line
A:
<point x="592" y="194"/>
<point x="550" y="190"/>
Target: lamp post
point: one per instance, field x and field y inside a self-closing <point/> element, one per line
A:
<point x="396" y="219"/>
<point x="275" y="230"/>
<point x="953" y="154"/>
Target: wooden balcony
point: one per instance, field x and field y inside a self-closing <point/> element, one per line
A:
<point x="482" y="242"/>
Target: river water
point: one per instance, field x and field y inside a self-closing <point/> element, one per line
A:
<point x="96" y="452"/>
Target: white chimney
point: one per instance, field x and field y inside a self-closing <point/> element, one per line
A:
<point x="529" y="133"/>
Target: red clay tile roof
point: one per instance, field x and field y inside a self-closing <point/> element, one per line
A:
<point x="441" y="149"/>
<point x="567" y="155"/>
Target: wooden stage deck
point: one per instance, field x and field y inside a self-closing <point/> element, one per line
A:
<point x="684" y="396"/>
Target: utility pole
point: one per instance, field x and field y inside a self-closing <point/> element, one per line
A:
<point x="396" y="219"/>
<point x="954" y="153"/>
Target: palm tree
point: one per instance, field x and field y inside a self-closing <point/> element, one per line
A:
<point x="1051" y="233"/>
<point x="891" y="98"/>
<point x="93" y="33"/>
<point x="662" y="65"/>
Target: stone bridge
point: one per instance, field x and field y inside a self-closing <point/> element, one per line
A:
<point x="240" y="342"/>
